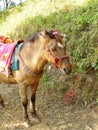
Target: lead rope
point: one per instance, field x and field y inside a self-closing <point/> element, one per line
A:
<point x="70" y="92"/>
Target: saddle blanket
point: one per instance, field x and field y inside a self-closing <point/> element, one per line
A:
<point x="15" y="61"/>
<point x="6" y="51"/>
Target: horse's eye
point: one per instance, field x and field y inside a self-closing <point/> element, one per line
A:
<point x="54" y="49"/>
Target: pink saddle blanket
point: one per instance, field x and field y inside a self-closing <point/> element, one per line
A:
<point x="6" y="51"/>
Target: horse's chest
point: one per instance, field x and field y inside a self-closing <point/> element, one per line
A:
<point x="29" y="81"/>
<point x="25" y="78"/>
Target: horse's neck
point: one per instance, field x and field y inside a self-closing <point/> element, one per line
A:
<point x="34" y="57"/>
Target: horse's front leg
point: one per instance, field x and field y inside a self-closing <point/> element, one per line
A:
<point x="34" y="114"/>
<point x="1" y="102"/>
<point x="23" y="94"/>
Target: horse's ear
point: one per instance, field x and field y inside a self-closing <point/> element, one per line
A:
<point x="50" y="34"/>
<point x="54" y="34"/>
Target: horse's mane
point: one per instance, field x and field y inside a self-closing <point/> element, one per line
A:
<point x="36" y="36"/>
<point x="33" y="38"/>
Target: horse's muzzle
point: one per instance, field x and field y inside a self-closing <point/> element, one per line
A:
<point x="67" y="71"/>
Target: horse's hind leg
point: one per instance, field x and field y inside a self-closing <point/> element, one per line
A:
<point x="1" y="102"/>
<point x="35" y="116"/>
<point x="23" y="94"/>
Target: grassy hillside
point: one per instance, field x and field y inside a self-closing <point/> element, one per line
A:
<point x="77" y="19"/>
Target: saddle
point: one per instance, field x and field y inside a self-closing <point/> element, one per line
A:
<point x="8" y="59"/>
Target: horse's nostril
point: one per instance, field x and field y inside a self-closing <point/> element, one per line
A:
<point x="67" y="71"/>
<point x="64" y="70"/>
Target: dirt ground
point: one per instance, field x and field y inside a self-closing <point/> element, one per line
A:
<point x="55" y="115"/>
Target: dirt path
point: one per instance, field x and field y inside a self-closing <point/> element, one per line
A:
<point x="54" y="113"/>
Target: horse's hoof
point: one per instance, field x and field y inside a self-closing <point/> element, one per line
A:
<point x="27" y="124"/>
<point x="36" y="118"/>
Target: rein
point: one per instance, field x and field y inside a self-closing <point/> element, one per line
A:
<point x="56" y="59"/>
<point x="28" y="69"/>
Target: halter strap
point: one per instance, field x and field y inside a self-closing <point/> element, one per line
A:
<point x="56" y="59"/>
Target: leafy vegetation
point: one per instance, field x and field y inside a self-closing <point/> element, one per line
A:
<point x="78" y="20"/>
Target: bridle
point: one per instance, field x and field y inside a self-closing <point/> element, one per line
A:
<point x="56" y="59"/>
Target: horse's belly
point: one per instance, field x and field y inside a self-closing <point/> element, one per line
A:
<point x="9" y="79"/>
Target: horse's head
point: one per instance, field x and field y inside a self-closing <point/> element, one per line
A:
<point x="55" y="51"/>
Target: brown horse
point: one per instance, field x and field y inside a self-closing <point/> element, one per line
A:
<point x="36" y="52"/>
